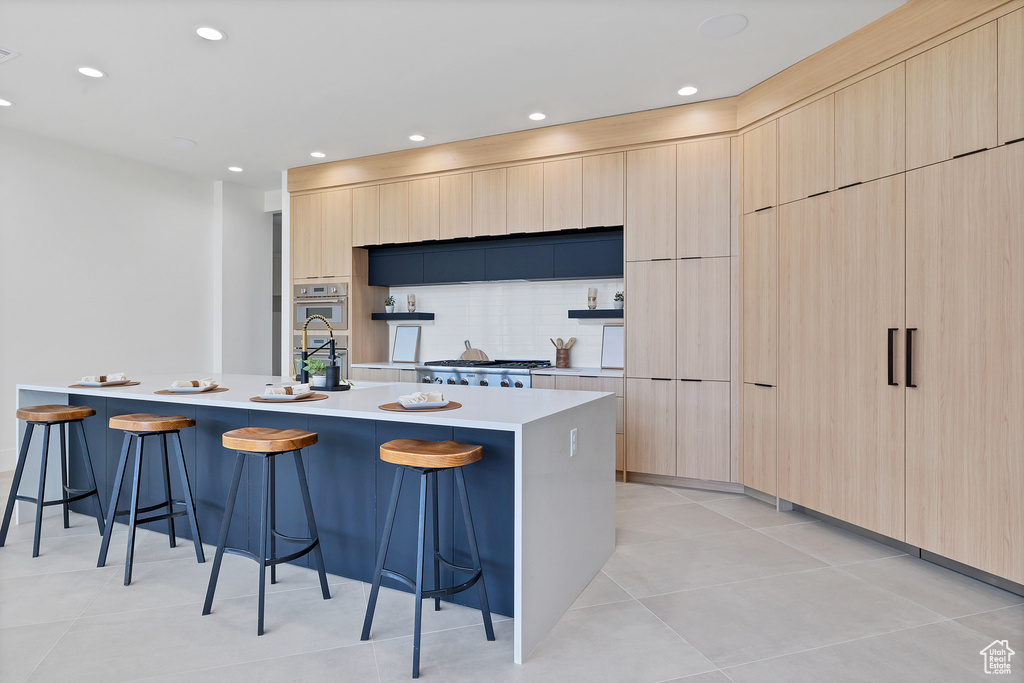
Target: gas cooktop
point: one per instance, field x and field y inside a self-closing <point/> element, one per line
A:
<point x="484" y="364"/>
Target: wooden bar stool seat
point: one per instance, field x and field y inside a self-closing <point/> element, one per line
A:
<point x="63" y="417"/>
<point x="428" y="458"/>
<point x="266" y="443"/>
<point x="140" y="426"/>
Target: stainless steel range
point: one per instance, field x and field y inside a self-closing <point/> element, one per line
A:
<point x="484" y="373"/>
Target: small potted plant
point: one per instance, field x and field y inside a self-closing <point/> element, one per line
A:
<point x="389" y="304"/>
<point x="619" y="299"/>
<point x="317" y="370"/>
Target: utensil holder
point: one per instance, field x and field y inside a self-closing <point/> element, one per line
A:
<point x="561" y="358"/>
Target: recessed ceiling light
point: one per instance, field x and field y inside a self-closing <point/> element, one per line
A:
<point x="318" y="155"/>
<point x="210" y="33"/>
<point x="180" y="142"/>
<point x="90" y="72"/>
<point x="6" y="103"/>
<point x="236" y="169"/>
<point x="687" y="90"/>
<point x="417" y="138"/>
<point x="722" y="26"/>
<point x="537" y="116"/>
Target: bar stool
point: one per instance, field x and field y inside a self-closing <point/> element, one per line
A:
<point x="428" y="458"/>
<point x="265" y="443"/>
<point x="141" y="426"/>
<point x="62" y="416"/>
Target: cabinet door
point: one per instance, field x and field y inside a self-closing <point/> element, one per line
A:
<point x="651" y="426"/>
<point x="965" y="434"/>
<point x="366" y="216"/>
<point x="651" y="203"/>
<point x="456" y="205"/>
<point x="871" y="127"/>
<point x="758" y="461"/>
<point x="651" y="319"/>
<point x="760" y="161"/>
<point x="336" y="234"/>
<point x="760" y="297"/>
<point x="951" y="98"/>
<point x="702" y="318"/>
<point x="305" y="235"/>
<point x="394" y="213"/>
<point x="424" y="210"/>
<point x="1011" y="76"/>
<point x="525" y="203"/>
<point x="489" y="203"/>
<point x="702" y="430"/>
<point x="563" y="194"/>
<point x="604" y="182"/>
<point x="704" y="198"/>
<point x="807" y="150"/>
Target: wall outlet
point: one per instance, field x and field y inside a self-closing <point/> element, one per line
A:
<point x="572" y="442"/>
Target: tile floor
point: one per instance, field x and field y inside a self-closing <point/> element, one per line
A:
<point x="703" y="587"/>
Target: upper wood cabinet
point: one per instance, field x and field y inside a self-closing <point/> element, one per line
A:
<point x="563" y="194"/>
<point x="603" y="189"/>
<point x="951" y="98"/>
<point x="871" y="127"/>
<point x="651" y="203"/>
<point x="305" y="221"/>
<point x="456" y="209"/>
<point x="489" y="202"/>
<point x="760" y="167"/>
<point x="651" y="426"/>
<point x="759" y="268"/>
<point x="424" y="210"/>
<point x="702" y="318"/>
<point x="1011" y="76"/>
<point x="703" y="198"/>
<point x="394" y="213"/>
<point x="366" y="216"/>
<point x="336" y="234"/>
<point x="651" y="319"/>
<point x="703" y="420"/>
<point x="758" y="457"/>
<point x="807" y="150"/>
<point x="525" y="198"/>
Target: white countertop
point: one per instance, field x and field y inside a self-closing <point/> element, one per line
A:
<point x="585" y="372"/>
<point x="482" y="407"/>
<point x="385" y="365"/>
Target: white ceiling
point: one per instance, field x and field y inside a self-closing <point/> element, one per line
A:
<point x="357" y="77"/>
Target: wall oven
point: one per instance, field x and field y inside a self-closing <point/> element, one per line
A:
<point x="329" y="299"/>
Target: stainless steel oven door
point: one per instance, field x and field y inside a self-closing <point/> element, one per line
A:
<point x="335" y="310"/>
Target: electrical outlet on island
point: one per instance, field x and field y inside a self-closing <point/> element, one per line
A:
<point x="572" y="442"/>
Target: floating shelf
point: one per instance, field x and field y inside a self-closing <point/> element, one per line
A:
<point x="401" y="316"/>
<point x="596" y="313"/>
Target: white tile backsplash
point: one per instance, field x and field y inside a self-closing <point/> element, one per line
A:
<point x="508" y="320"/>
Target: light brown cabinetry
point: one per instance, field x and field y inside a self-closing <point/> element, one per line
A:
<point x="563" y="194"/>
<point x="489" y="202"/>
<point x="525" y="198"/>
<point x="703" y="423"/>
<point x="759" y="263"/>
<point x="585" y="383"/>
<point x="703" y="198"/>
<point x="651" y="426"/>
<point x="1011" y="76"/>
<point x="650" y="319"/>
<point x="807" y="150"/>
<point x="424" y="210"/>
<point x="604" y="189"/>
<point x="336" y="234"/>
<point x="305" y="221"/>
<point x="394" y="213"/>
<point x="382" y="375"/>
<point x="760" y="167"/>
<point x="759" y="462"/>
<point x="871" y="127"/>
<point x="964" y="431"/>
<point x="366" y="216"/>
<point x="650" y="203"/>
<point x="702" y="319"/>
<point x="456" y="210"/>
<point x="951" y="98"/>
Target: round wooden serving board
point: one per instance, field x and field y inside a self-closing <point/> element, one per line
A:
<point x="168" y="392"/>
<point x="109" y="386"/>
<point x="314" y="397"/>
<point x="397" y="407"/>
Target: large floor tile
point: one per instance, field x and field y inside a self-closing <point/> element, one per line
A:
<point x="634" y="496"/>
<point x="754" y="513"/>
<point x="23" y="647"/>
<point x="942" y="652"/>
<point x="669" y="522"/>
<point x="50" y="597"/>
<point x="939" y="589"/>
<point x="61" y="553"/>
<point x="395" y="613"/>
<point x="704" y="495"/>
<point x="1005" y="624"/>
<point x="752" y="620"/>
<point x="669" y="566"/>
<point x="351" y="664"/>
<point x="601" y="591"/>
<point x="461" y="655"/>
<point x="709" y="677"/>
<point x="830" y="543"/>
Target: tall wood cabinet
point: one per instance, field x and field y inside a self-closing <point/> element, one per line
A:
<point x="760" y="167"/>
<point x="1011" y="76"/>
<point x="321" y="235"/>
<point x="806" y="150"/>
<point x="489" y="202"/>
<point x="525" y="198"/>
<point x="456" y="206"/>
<point x="870" y="138"/>
<point x="563" y="194"/>
<point x="604" y="179"/>
<point x="704" y="198"/>
<point x="651" y="203"/>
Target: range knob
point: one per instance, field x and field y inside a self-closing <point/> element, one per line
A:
<point x="504" y="383"/>
<point x="438" y="381"/>
<point x="464" y="381"/>
<point x="451" y="380"/>
<point x="427" y="380"/>
<point x="519" y="385"/>
<point x="483" y="383"/>
<point x="302" y="290"/>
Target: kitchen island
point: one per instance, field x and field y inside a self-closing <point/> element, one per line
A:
<point x="545" y="519"/>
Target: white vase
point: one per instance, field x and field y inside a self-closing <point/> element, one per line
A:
<point x="617" y="304"/>
<point x="389" y="309"/>
<point x="318" y="380"/>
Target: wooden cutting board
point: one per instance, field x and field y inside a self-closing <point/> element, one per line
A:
<point x="473" y="354"/>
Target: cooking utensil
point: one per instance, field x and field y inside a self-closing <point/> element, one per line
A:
<point x="472" y="354"/>
<point x="553" y="343"/>
<point x="560" y="344"/>
<point x="572" y="340"/>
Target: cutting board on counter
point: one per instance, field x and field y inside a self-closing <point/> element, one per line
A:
<point x="473" y="354"/>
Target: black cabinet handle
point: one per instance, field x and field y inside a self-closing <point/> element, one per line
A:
<point x="910" y="357"/>
<point x="892" y="379"/>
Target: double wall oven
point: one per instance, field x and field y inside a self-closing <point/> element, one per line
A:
<point x="328" y="299"/>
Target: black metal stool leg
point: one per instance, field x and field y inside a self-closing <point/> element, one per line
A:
<point x="133" y="512"/>
<point x="122" y="463"/>
<point x="19" y="470"/>
<point x="264" y="529"/>
<point x="389" y="523"/>
<point x="42" y="490"/>
<point x="167" y="488"/>
<point x="420" y="548"/>
<point x="272" y="503"/>
<point x="65" y="483"/>
<point x="225" y="525"/>
<point x="91" y="474"/>
<point x="307" y="502"/>
<point x="190" y="505"/>
<point x="437" y="544"/>
<point x="460" y="481"/>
